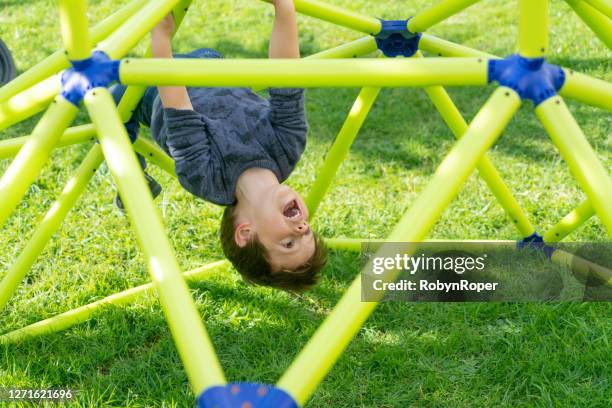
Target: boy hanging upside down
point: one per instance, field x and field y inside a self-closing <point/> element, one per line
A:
<point x="234" y="148"/>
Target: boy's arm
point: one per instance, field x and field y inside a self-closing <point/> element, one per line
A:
<point x="161" y="47"/>
<point x="287" y="105"/>
<point x="284" y="41"/>
<point x="187" y="139"/>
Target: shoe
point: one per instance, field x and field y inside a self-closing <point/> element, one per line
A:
<point x="154" y="186"/>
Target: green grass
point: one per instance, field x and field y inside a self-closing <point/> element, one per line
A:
<point x="434" y="355"/>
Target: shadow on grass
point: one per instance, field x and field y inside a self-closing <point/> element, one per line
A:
<point x="118" y="341"/>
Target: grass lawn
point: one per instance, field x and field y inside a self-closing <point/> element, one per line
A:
<point x="429" y="355"/>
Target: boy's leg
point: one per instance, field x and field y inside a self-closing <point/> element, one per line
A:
<point x="132" y="126"/>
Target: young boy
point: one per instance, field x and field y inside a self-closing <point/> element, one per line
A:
<point x="234" y="148"/>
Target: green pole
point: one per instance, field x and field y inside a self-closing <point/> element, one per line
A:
<point x="437" y="13"/>
<point x="337" y="15"/>
<point x="598" y="22"/>
<point x="452" y="117"/>
<point x="586" y="89"/>
<point x="341" y="147"/>
<point x="533" y="28"/>
<point x="33" y="155"/>
<point x="582" y="266"/>
<point x="29" y="102"/>
<point x="76" y="134"/>
<point x="332" y="337"/>
<point x="443" y="48"/>
<point x="75" y="29"/>
<point x="50" y="224"/>
<point x="192" y="341"/>
<point x="155" y="155"/>
<point x="137" y="26"/>
<point x="577" y="86"/>
<point x="579" y="156"/>
<point x="354" y="49"/>
<point x="371" y="72"/>
<point x="570" y="222"/>
<point x="603" y="6"/>
<point x="81" y="314"/>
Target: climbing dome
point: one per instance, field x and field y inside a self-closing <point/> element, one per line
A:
<point x="86" y="72"/>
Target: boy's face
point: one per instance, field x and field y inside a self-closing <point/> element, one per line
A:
<point x="280" y="222"/>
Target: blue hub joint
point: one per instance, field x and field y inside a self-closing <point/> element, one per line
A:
<point x="394" y="39"/>
<point x="95" y="71"/>
<point x="535" y="242"/>
<point x="531" y="78"/>
<point x="240" y="395"/>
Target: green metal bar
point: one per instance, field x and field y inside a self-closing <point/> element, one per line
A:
<point x="533" y="28"/>
<point x="357" y="48"/>
<point x="586" y="89"/>
<point x="86" y="133"/>
<point x="192" y="341"/>
<point x="137" y="26"/>
<point x="76" y="134"/>
<point x="353" y="49"/>
<point x="603" y="6"/>
<point x="305" y="72"/>
<point x="58" y="61"/>
<point x="81" y="314"/>
<point x="50" y="224"/>
<point x="570" y="222"/>
<point x="29" y="102"/>
<point x="454" y="120"/>
<point x="579" y="156"/>
<point x="441" y="11"/>
<point x="75" y="29"/>
<point x="578" y="86"/>
<point x="341" y="147"/>
<point x="356" y="244"/>
<point x="598" y="22"/>
<point x="34" y="154"/>
<point x="582" y="266"/>
<point x="324" y="348"/>
<point x="155" y="155"/>
<point x="337" y="15"/>
<point x="444" y="48"/>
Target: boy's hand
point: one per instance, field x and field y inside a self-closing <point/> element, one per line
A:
<point x="165" y="28"/>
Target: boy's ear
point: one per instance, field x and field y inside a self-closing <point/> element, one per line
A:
<point x="243" y="234"/>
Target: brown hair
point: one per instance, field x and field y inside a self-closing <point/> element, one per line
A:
<point x="251" y="261"/>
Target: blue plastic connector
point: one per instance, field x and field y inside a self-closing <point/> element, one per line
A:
<point x="531" y="78"/>
<point x="394" y="39"/>
<point x="535" y="241"/>
<point x="98" y="70"/>
<point x="240" y="395"/>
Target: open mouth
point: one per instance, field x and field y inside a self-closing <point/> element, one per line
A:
<point x="292" y="210"/>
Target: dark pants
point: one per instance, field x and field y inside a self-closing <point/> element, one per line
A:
<point x="143" y="111"/>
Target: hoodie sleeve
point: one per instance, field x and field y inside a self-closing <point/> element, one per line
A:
<point x="189" y="145"/>
<point x="288" y="118"/>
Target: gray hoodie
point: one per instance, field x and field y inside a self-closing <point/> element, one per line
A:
<point x="228" y="131"/>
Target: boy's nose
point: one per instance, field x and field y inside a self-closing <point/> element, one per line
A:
<point x="302" y="227"/>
